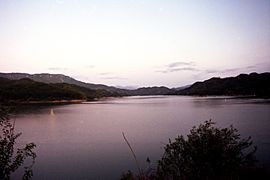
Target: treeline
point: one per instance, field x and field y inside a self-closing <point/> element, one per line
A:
<point x="253" y="84"/>
<point x="25" y="90"/>
<point x="14" y="87"/>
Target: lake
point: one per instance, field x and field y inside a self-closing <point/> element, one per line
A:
<point x="84" y="141"/>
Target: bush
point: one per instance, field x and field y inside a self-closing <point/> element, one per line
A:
<point x="208" y="153"/>
<point x="9" y="160"/>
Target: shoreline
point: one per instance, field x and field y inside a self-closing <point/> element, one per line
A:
<point x="77" y="101"/>
<point x="53" y="102"/>
<point x="73" y="101"/>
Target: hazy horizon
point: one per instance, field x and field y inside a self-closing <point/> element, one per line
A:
<point x="133" y="86"/>
<point x="135" y="43"/>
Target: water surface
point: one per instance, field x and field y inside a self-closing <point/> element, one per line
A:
<point x="84" y="141"/>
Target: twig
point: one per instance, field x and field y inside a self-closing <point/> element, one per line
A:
<point x="134" y="156"/>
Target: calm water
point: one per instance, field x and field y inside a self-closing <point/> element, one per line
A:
<point x="84" y="141"/>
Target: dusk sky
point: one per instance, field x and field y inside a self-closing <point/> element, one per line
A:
<point x="135" y="42"/>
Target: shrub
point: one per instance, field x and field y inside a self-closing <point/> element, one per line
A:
<point x="208" y="153"/>
<point x="9" y="160"/>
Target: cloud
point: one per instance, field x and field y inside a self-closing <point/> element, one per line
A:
<point x="57" y="69"/>
<point x="210" y="71"/>
<point x="89" y="66"/>
<point x="178" y="66"/>
<point x="206" y="73"/>
<point x="184" y="69"/>
<point x="109" y="75"/>
<point x="251" y="67"/>
<point x="229" y="70"/>
<point x="113" y="77"/>
<point x="70" y="69"/>
<point x="213" y="71"/>
<point x="191" y="67"/>
<point x="105" y="73"/>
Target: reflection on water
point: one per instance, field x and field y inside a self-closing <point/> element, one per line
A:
<point x="84" y="141"/>
<point x="52" y="112"/>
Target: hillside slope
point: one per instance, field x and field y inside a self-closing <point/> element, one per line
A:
<point x="244" y="84"/>
<point x="28" y="90"/>
<point x="60" y="78"/>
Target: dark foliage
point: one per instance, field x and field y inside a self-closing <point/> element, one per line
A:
<point x="60" y="78"/>
<point x="253" y="84"/>
<point x="11" y="160"/>
<point x="127" y="176"/>
<point x="102" y="90"/>
<point x="29" y="90"/>
<point x="208" y="153"/>
<point x="88" y="94"/>
<point x="152" y="91"/>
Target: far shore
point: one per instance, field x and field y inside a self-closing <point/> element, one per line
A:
<point x="75" y="101"/>
<point x="48" y="102"/>
<point x="53" y="101"/>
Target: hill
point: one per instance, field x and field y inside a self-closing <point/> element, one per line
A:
<point x="244" y="84"/>
<point x="60" y="78"/>
<point x="25" y="90"/>
<point x="144" y="91"/>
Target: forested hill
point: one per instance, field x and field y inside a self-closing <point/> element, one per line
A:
<point x="57" y="86"/>
<point x="60" y="78"/>
<point x="244" y="84"/>
<point x="25" y="90"/>
<point x="144" y="91"/>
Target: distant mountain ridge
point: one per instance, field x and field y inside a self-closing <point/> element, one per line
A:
<point x="55" y="78"/>
<point x="144" y="91"/>
<point x="60" y="78"/>
<point x="27" y="90"/>
<point x="253" y="84"/>
<point x="244" y="84"/>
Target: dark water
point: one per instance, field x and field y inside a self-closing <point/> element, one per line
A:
<point x="84" y="141"/>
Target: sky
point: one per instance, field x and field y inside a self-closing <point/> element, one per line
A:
<point x="135" y="43"/>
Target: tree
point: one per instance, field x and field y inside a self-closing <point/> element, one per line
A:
<point x="10" y="160"/>
<point x="207" y="153"/>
